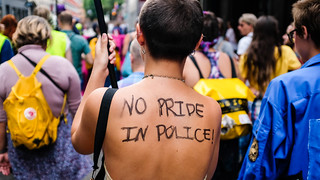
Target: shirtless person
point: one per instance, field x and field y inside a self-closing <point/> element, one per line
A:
<point x="158" y="128"/>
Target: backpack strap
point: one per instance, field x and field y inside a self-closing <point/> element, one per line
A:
<point x="101" y="131"/>
<point x="196" y="64"/>
<point x="62" y="115"/>
<point x="44" y="73"/>
<point x="15" y="68"/>
<point x="40" y="63"/>
<point x="233" y="69"/>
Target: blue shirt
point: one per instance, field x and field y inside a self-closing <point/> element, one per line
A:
<point x="288" y="128"/>
<point x="132" y="79"/>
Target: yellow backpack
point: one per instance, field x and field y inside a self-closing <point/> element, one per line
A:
<point x="30" y="119"/>
<point x="233" y="96"/>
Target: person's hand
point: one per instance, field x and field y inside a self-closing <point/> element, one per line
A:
<point x="4" y="164"/>
<point x="102" y="57"/>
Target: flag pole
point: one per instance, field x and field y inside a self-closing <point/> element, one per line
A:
<point x="103" y="29"/>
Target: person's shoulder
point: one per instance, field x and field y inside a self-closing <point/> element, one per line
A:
<point x="59" y="61"/>
<point x="285" y="49"/>
<point x="287" y="81"/>
<point x="224" y="56"/>
<point x="199" y="56"/>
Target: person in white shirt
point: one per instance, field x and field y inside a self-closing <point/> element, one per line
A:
<point x="231" y="36"/>
<point x="246" y="24"/>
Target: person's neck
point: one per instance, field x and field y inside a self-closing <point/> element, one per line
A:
<point x="137" y="68"/>
<point x="66" y="27"/>
<point x="164" y="67"/>
<point x="314" y="52"/>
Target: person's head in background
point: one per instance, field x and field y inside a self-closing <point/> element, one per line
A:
<point x="65" y="21"/>
<point x="169" y="29"/>
<point x="2" y="28"/>
<point x="260" y="53"/>
<point x="32" y="30"/>
<point x="96" y="28"/>
<point x="10" y="25"/>
<point x="43" y="12"/>
<point x="210" y="30"/>
<point x="137" y="64"/>
<point x="285" y="37"/>
<point x="306" y="15"/>
<point x="246" y="23"/>
<point x="222" y="28"/>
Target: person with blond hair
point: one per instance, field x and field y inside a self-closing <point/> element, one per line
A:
<point x="59" y="44"/>
<point x="285" y="137"/>
<point x="246" y="25"/>
<point x="58" y="160"/>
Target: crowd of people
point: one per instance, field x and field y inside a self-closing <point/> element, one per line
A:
<point x="156" y="106"/>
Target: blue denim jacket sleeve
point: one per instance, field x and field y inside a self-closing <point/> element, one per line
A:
<point x="273" y="135"/>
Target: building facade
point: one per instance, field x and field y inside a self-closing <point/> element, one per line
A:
<point x="22" y="8"/>
<point x="16" y="7"/>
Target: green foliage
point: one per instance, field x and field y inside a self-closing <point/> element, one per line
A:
<point x="107" y="6"/>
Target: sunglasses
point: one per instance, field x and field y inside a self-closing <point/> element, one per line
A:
<point x="290" y="36"/>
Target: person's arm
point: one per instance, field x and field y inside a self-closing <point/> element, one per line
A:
<point x="3" y="140"/>
<point x="267" y="154"/>
<point x="214" y="160"/>
<point x="4" y="160"/>
<point x="225" y="65"/>
<point x="83" y="126"/>
<point x="69" y="55"/>
<point x="88" y="58"/>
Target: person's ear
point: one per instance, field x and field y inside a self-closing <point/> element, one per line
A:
<point x="199" y="42"/>
<point x="140" y="37"/>
<point x="305" y="32"/>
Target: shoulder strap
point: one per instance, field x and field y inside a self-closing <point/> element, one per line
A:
<point x="39" y="65"/>
<point x="43" y="72"/>
<point x="15" y="68"/>
<point x="101" y="131"/>
<point x="233" y="69"/>
<point x="196" y="64"/>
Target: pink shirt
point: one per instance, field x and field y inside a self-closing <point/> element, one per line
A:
<point x="58" y="68"/>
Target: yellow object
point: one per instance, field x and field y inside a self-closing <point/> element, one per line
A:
<point x="30" y="119"/>
<point x="92" y="45"/>
<point x="288" y="61"/>
<point x="58" y="44"/>
<point x="233" y="96"/>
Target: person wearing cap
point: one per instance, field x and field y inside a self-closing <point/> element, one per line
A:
<point x="246" y="25"/>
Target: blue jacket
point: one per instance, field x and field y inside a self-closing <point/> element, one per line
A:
<point x="6" y="51"/>
<point x="287" y="132"/>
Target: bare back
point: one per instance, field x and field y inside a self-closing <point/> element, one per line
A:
<point x="160" y="132"/>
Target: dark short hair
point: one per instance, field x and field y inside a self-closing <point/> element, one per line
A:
<point x="307" y="13"/>
<point x="210" y="26"/>
<point x="171" y="28"/>
<point x="65" y="18"/>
